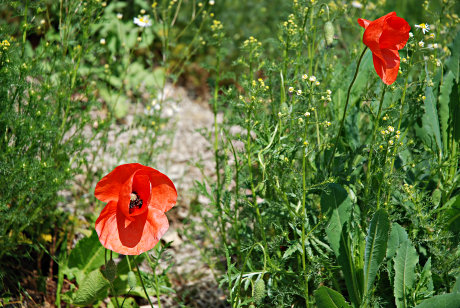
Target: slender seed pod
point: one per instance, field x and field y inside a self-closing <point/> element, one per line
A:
<point x="329" y="33"/>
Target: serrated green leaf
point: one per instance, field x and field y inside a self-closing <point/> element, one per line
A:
<point x="93" y="287"/>
<point x="328" y="298"/>
<point x="397" y="236"/>
<point x="404" y="267"/>
<point x="87" y="256"/>
<point x="336" y="205"/>
<point x="430" y="121"/>
<point x="451" y="300"/>
<point x="292" y="249"/>
<point x="444" y="102"/>
<point x="426" y="277"/>
<point x="376" y="246"/>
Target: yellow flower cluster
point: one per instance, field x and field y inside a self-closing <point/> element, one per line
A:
<point x="5" y="44"/>
<point x="216" y="25"/>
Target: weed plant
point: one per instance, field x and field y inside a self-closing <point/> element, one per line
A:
<point x="313" y="205"/>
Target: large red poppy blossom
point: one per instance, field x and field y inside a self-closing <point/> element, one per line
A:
<point x="384" y="37"/>
<point x="133" y="221"/>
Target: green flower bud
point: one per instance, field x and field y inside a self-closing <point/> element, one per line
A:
<point x="111" y="270"/>
<point x="258" y="292"/>
<point x="329" y="33"/>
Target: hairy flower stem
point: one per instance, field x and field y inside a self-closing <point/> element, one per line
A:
<point x="401" y="109"/>
<point x="216" y="152"/>
<point x="371" y="151"/>
<point x="304" y="214"/>
<point x="143" y="286"/>
<point x="110" y="282"/>
<point x="345" y="111"/>
<point x="157" y="284"/>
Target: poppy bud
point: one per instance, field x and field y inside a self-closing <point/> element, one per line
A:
<point x="329" y="33"/>
<point x="110" y="270"/>
<point x="132" y="280"/>
<point x="258" y="293"/>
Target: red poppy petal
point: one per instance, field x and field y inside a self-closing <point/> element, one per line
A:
<point x="130" y="237"/>
<point x="388" y="68"/>
<point x="371" y="37"/>
<point x="108" y="188"/>
<point x="395" y="33"/>
<point x="363" y="22"/>
<point x="164" y="194"/>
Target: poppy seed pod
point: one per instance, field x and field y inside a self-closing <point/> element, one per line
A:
<point x="329" y="33"/>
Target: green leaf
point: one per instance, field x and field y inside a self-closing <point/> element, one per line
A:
<point x="336" y="205"/>
<point x="94" y="287"/>
<point x="404" y="267"/>
<point x="426" y="277"/>
<point x="444" y="114"/>
<point x="328" y="298"/>
<point x="456" y="287"/>
<point x="431" y="122"/>
<point x="376" y="246"/>
<point x="453" y="63"/>
<point x="87" y="256"/>
<point x="397" y="236"/>
<point x="450" y="300"/>
<point x="453" y="213"/>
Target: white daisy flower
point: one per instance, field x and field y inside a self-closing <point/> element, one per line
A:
<point x="299" y="92"/>
<point x="357" y="4"/>
<point x="312" y="78"/>
<point x="421" y="44"/>
<point x="425" y="27"/>
<point x="120" y="16"/>
<point x="143" y="21"/>
<point x="411" y="34"/>
<point x="291" y="89"/>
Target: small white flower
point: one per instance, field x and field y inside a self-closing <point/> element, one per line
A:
<point x="329" y="92"/>
<point x="317" y="83"/>
<point x="425" y="27"/>
<point x="312" y="78"/>
<point x="304" y="76"/>
<point x="391" y="128"/>
<point x="102" y="41"/>
<point x="438" y="63"/>
<point x="307" y="114"/>
<point x="120" y="16"/>
<point x="411" y="34"/>
<point x="291" y="89"/>
<point x="211" y="2"/>
<point x="143" y="21"/>
<point x="299" y="92"/>
<point x="357" y="4"/>
<point x="421" y="44"/>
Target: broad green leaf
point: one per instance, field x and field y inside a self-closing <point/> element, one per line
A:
<point x="336" y="205"/>
<point x="93" y="287"/>
<point x="431" y="122"/>
<point x="456" y="287"/>
<point x="397" y="236"/>
<point x="328" y="298"/>
<point x="453" y="213"/>
<point x="376" y="246"/>
<point x="426" y="277"/>
<point x="453" y="63"/>
<point x="87" y="256"/>
<point x="404" y="267"/>
<point x="451" y="300"/>
<point x="444" y="113"/>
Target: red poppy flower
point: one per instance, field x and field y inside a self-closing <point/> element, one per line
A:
<point x="133" y="221"/>
<point x="384" y="37"/>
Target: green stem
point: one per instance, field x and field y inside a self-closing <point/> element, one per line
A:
<point x="304" y="214"/>
<point x="157" y="285"/>
<point x="143" y="287"/>
<point x="401" y="109"/>
<point x="371" y="151"/>
<point x="111" y="284"/>
<point x="216" y="152"/>
<point x="345" y="111"/>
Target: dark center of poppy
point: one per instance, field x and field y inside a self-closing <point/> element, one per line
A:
<point x="135" y="202"/>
